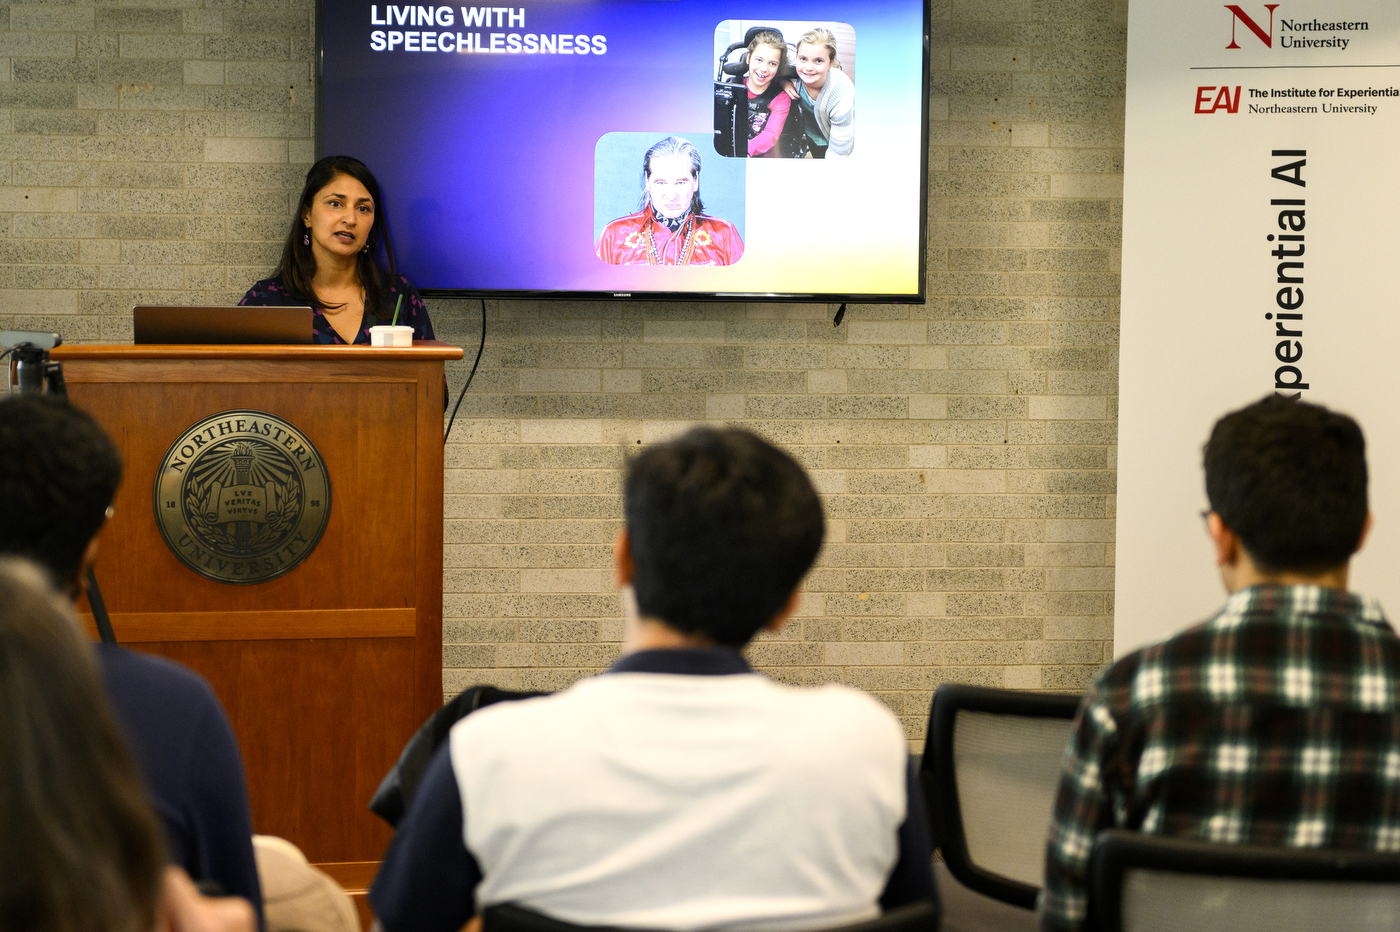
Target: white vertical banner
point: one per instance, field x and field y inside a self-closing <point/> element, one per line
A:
<point x="1261" y="249"/>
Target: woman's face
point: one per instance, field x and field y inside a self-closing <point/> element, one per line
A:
<point x="813" y="62"/>
<point x="670" y="185"/>
<point x="764" y="62"/>
<point x="340" y="217"/>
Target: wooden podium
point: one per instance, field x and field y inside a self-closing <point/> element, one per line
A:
<point x="327" y="670"/>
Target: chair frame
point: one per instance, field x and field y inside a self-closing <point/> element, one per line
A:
<point x="938" y="777"/>
<point x="1117" y="851"/>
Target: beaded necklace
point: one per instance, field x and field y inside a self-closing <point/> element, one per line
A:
<point x="687" y="246"/>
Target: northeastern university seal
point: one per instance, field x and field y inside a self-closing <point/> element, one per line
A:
<point x="242" y="497"/>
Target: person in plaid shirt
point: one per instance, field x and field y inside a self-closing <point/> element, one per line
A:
<point x="1277" y="721"/>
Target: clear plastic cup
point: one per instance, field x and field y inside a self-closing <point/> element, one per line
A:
<point x="385" y="335"/>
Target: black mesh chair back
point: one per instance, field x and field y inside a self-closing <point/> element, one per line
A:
<point x="396" y="790"/>
<point x="917" y="917"/>
<point x="1146" y="883"/>
<point x="990" y="769"/>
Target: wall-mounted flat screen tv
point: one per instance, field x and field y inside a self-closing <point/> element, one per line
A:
<point x="764" y="149"/>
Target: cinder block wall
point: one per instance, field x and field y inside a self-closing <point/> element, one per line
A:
<point x="152" y="152"/>
<point x="148" y="152"/>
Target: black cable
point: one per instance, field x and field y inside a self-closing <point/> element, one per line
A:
<point x="462" y="394"/>
<point x="840" y="313"/>
<point x="99" y="609"/>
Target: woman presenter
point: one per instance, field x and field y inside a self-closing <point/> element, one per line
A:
<point x="825" y="97"/>
<point x="768" y="105"/>
<point x="331" y="260"/>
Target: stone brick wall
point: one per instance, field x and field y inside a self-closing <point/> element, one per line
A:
<point x="148" y="152"/>
<point x="151" y="150"/>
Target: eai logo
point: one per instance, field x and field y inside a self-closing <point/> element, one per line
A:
<point x="1238" y="15"/>
<point x="1209" y="101"/>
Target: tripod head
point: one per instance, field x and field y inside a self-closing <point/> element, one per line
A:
<point x="31" y="371"/>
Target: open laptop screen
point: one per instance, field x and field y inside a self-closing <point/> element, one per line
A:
<point x="157" y="324"/>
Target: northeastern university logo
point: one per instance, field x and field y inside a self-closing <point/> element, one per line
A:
<point x="1285" y="35"/>
<point x="242" y="497"/>
<point x="1292" y="32"/>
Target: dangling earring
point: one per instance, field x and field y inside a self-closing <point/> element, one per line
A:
<point x="306" y="238"/>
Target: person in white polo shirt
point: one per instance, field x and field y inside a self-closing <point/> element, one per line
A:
<point x="680" y="790"/>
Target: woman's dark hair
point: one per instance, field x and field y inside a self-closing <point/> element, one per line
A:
<point x="723" y="526"/>
<point x="81" y="849"/>
<point x="298" y="266"/>
<point x="1289" y="478"/>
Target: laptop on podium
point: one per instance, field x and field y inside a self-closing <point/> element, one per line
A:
<point x="173" y="324"/>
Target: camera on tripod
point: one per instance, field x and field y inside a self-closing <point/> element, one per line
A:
<point x="31" y="371"/>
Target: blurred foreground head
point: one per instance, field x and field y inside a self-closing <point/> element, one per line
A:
<point x="58" y="473"/>
<point x="79" y="846"/>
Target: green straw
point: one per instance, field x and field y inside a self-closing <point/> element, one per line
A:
<point x="396" y="312"/>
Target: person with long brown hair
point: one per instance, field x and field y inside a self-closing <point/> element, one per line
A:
<point x="82" y="849"/>
<point x="339" y="260"/>
<point x="768" y="106"/>
<point x="825" y="96"/>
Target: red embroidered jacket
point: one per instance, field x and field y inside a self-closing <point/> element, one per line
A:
<point x="639" y="239"/>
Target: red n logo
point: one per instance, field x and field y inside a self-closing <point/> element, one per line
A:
<point x="1237" y="14"/>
